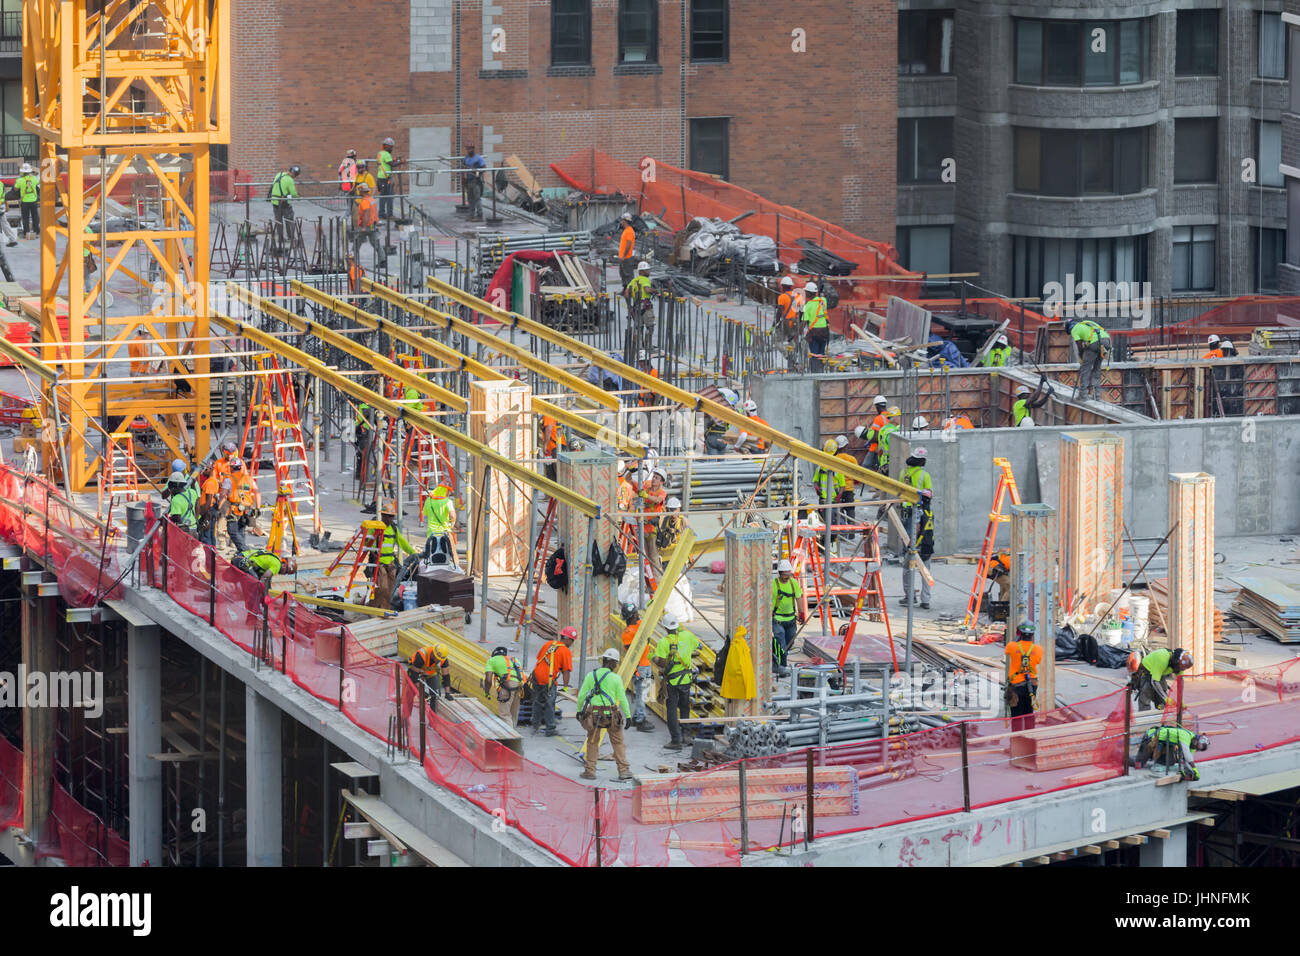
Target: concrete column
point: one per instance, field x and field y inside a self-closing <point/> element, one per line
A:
<point x="262" y="726"/>
<point x="591" y="474"/>
<point x="1092" y="515"/>
<point x="38" y="655"/>
<point x="1191" y="568"/>
<point x="144" y="735"/>
<point x="1169" y="852"/>
<point x="501" y="418"/>
<point x="1033" y="587"/>
<point x="747" y="600"/>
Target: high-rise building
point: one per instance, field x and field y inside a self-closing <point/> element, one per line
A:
<point x="1289" y="267"/>
<point x="1111" y="142"/>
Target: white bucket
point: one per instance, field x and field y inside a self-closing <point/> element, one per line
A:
<point x="1111" y="635"/>
<point x="1139" y="612"/>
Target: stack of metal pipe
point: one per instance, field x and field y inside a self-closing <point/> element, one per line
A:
<point x="723" y="483"/>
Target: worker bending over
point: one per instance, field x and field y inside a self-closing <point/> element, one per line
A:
<point x="263" y="564"/>
<point x="1150" y="680"/>
<point x="503" y="677"/>
<point x="1093" y="343"/>
<point x="674" y="656"/>
<point x="1000" y="573"/>
<point x="1023" y="657"/>
<point x="1169" y="750"/>
<point x="1027" y="400"/>
<point x="602" y="706"/>
<point x="555" y="659"/>
<point x="916" y="476"/>
<point x="431" y="666"/>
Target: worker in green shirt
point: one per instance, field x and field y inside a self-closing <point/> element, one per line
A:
<point x="1093" y="343"/>
<point x="999" y="355"/>
<point x="1171" y="748"/>
<point x="828" y="484"/>
<point x="674" y="655"/>
<point x="439" y="513"/>
<point x="263" y="564"/>
<point x="915" y="475"/>
<point x="386" y="577"/>
<point x="184" y="500"/>
<point x="384" y="178"/>
<point x="882" y="438"/>
<point x="1150" y="681"/>
<point x="283" y="189"/>
<point x="818" y="325"/>
<point x="787" y="608"/>
<point x="1026" y="401"/>
<point x="602" y="706"/>
<point x="28" y="187"/>
<point x="503" y="678"/>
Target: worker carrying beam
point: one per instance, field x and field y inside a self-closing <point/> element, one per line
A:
<point x="999" y="355"/>
<point x="920" y="525"/>
<point x="503" y="677"/>
<point x="1027" y="400"/>
<point x="554" y="660"/>
<point x="1150" y="678"/>
<point x="1023" y="657"/>
<point x="641" y="676"/>
<point x="602" y="706"/>
<point x="431" y="666"/>
<point x="626" y="250"/>
<point x="1093" y="343"/>
<point x="674" y="656"/>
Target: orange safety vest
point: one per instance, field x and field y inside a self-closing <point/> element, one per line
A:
<point x="241" y="492"/>
<point x="959" y="422"/>
<point x="627" y="243"/>
<point x="347" y="173"/>
<point x="785" y="303"/>
<point x="646" y="398"/>
<point x="1216" y="353"/>
<point x="211" y="488"/>
<point x="427" y="661"/>
<point x="626" y="495"/>
<point x="760" y="443"/>
<point x="877" y="423"/>
<point x="367" y="214"/>
<point x="629" y="635"/>
<point x="552" y="440"/>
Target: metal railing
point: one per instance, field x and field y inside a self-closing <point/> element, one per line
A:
<point x="11" y="32"/>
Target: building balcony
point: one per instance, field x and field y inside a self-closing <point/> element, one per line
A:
<point x="11" y="34"/>
<point x="1081" y="215"/>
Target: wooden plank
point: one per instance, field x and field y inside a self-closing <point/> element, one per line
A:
<point x="399" y="832"/>
<point x="1159" y="834"/>
<point x="1133" y="840"/>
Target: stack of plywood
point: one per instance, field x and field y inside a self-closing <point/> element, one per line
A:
<point x="380" y="634"/>
<point x="1272" y="605"/>
<point x="715" y="795"/>
<point x="1192" y="615"/>
<point x="1159" y="592"/>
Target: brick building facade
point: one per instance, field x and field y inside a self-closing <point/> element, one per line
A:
<point x="785" y="97"/>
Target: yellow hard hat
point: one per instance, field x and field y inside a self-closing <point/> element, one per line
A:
<point x="830" y="447"/>
<point x="893" y="411"/>
<point x="442" y="491"/>
<point x="440" y="651"/>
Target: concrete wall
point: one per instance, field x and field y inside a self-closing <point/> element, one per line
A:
<point x="1255" y="462"/>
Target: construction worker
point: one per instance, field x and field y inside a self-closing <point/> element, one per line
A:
<point x="1169" y="749"/>
<point x="348" y="172"/>
<point x="915" y="475"/>
<point x="670" y="528"/>
<point x="789" y="310"/>
<point x="439" y="514"/>
<point x="818" y="324"/>
<point x="1000" y="573"/>
<point x="828" y="484"/>
<point x="242" y="504"/>
<point x="213" y="502"/>
<point x="365" y="219"/>
<point x="646" y="398"/>
<point x="386" y="577"/>
<point x="883" y="437"/>
<point x="999" y="355"/>
<point x="846" y="497"/>
<point x="431" y="666"/>
<point x="475" y="164"/>
<point x="870" y="433"/>
<point x="10" y="234"/>
<point x="28" y="188"/>
<point x="1150" y="680"/>
<point x="602" y="705"/>
<point x="626" y="250"/>
<point x="552" y="441"/>
<point x="263" y="564"/>
<point x="1093" y="343"/>
<point x="365" y="176"/>
<point x="747" y="444"/>
<point x="640" y="304"/>
<point x="787" y="608"/>
<point x="283" y="189"/>
<point x="554" y="660"/>
<point x="384" y="177"/>
<point x="183" y="507"/>
<point x="1023" y="657"/>
<point x="654" y="496"/>
<point x="503" y="676"/>
<point x="715" y="436"/>
<point x="1220" y="348"/>
<point x="1027" y="400"/>
<point x="364" y="431"/>
<point x="950" y="424"/>
<point x="674" y="656"/>
<point x="641" y="676"/>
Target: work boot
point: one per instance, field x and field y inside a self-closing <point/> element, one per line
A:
<point x="925" y="605"/>
<point x="645" y="727"/>
<point x="902" y="602"/>
<point x="587" y="775"/>
<point x="624" y="778"/>
<point x="673" y="745"/>
<point x="368" y="509"/>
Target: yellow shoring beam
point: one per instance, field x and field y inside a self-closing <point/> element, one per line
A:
<point x="456" y="359"/>
<point x="497" y="344"/>
<point x="356" y="350"/>
<point x="417" y="418"/>
<point x="798" y="449"/>
<point x="29" y="362"/>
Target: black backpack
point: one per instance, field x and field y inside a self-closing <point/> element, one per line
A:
<point x="557" y="569"/>
<point x="1087" y="649"/>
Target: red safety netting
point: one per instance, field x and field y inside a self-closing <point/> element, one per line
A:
<point x="79" y="837"/>
<point x="11" y="785"/>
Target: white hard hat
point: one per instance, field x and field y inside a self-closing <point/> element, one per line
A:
<point x="860" y="431"/>
<point x="1226" y="344"/>
<point x="626" y="215"/>
<point x="919" y="452"/>
<point x="810" y="287"/>
<point x="730" y="396"/>
<point x="787" y="281"/>
<point x="611" y="654"/>
<point x="880" y="400"/>
<point x="643" y="356"/>
<point x="751" y="406"/>
<point x="621" y="467"/>
<point x="1022" y="390"/>
<point x="1002" y="340"/>
<point x="1212" y="340"/>
<point x="661" y="473"/>
<point x="674" y="504"/>
<point x="841" y="441"/>
<point x="784" y="565"/>
<point x="670" y="621"/>
<point x="920" y="422"/>
<point x="643" y="266"/>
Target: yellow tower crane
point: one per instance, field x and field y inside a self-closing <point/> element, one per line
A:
<point x="127" y="98"/>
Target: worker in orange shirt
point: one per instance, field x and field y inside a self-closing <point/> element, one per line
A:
<point x="1023" y="658"/>
<point x="138" y="349"/>
<point x="1000" y="573"/>
<point x="847" y="497"/>
<point x="626" y="250"/>
<point x="653" y="499"/>
<point x="243" y="506"/>
<point x="554" y="660"/>
<point x="626" y="503"/>
<point x="552" y="441"/>
<point x="747" y="444"/>
<point x="212" y="504"/>
<point x="955" y="422"/>
<point x="646" y="398"/>
<point x="365" y="219"/>
<point x="1220" y="348"/>
<point x="641" y="677"/>
<point x="871" y="433"/>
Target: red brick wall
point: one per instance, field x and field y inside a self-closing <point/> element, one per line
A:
<point x="814" y="130"/>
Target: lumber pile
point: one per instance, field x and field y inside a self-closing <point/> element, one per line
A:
<point x="1159" y="591"/>
<point x="1271" y="605"/>
<point x="545" y="625"/>
<point x="467" y="657"/>
<point x="1052" y="748"/>
<point x="715" y="795"/>
<point x="380" y="635"/>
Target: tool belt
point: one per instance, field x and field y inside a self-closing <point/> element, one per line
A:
<point x="506" y="690"/>
<point x="1013" y="692"/>
<point x="601" y="718"/>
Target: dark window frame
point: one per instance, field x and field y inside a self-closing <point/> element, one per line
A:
<point x="908" y="34"/>
<point x="908" y="143"/>
<point x="649" y="11"/>
<point x="1259" y="46"/>
<point x="725" y="128"/>
<point x="1082" y="43"/>
<point x="1211" y="122"/>
<point x="1174" y="279"/>
<point x="1063" y="155"/>
<point x="1278" y="241"/>
<point x="1187" y="56"/>
<point x="583" y="45"/>
<point x="1261" y="167"/>
<point x="1022" y="274"/>
<point x="723" y="36"/>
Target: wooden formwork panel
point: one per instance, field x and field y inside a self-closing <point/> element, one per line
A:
<point x="1091" y="515"/>
<point x="845" y="403"/>
<point x="1260" y="391"/>
<point x="500" y="416"/>
<point x="747" y="600"/>
<point x="1191" y="567"/>
<point x="591" y="474"/>
<point x="1034" y="593"/>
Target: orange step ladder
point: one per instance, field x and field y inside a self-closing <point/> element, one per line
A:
<point x="369" y="543"/>
<point x="118" y="477"/>
<point x="273" y="424"/>
<point x="1006" y="488"/>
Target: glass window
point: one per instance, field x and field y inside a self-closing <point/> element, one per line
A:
<point x="1029" y="153"/>
<point x="570" y="32"/>
<point x="1054" y="162"/>
<point x="1268" y="153"/>
<point x="1100" y="43"/>
<point x="709" y="31"/>
<point x="1062" y="50"/>
<point x="638" y="31"/>
<point x="1079" y="53"/>
<point x="1133" y="51"/>
<point x="1196" y="150"/>
<point x="1193" y="259"/>
<point x="923" y="145"/>
<point x="1270" y="248"/>
<point x="1272" y="46"/>
<point x="1198" y="43"/>
<point x="926" y="249"/>
<point x="709" y="147"/>
<point x="1293" y="54"/>
<point x="1130" y="161"/>
<point x="924" y="42"/>
<point x="1293" y="216"/>
<point x="1029" y="51"/>
<point x="1037" y="261"/>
